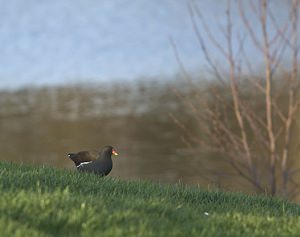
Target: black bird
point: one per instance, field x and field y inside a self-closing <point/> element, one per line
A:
<point x="100" y="163"/>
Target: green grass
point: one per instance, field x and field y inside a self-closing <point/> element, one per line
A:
<point x="42" y="201"/>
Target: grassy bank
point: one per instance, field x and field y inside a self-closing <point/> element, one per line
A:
<point x="41" y="201"/>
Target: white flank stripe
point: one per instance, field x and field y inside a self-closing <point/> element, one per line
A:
<point x="83" y="163"/>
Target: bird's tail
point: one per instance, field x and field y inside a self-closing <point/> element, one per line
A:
<point x="71" y="155"/>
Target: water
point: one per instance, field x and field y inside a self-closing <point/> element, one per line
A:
<point x="40" y="126"/>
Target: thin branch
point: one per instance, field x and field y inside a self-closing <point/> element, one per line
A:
<point x="204" y="48"/>
<point x="249" y="27"/>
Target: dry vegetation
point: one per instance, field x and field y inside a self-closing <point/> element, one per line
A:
<point x="250" y="120"/>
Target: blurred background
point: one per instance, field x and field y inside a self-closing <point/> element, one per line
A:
<point x="78" y="75"/>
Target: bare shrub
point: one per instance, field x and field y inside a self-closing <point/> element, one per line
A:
<point x="246" y="117"/>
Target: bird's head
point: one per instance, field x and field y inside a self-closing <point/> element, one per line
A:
<point x="109" y="150"/>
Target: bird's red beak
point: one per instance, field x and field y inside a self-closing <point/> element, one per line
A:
<point x="114" y="152"/>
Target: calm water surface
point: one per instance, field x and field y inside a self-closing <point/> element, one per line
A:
<point x="41" y="126"/>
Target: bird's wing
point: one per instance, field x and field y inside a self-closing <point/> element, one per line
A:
<point x="86" y="156"/>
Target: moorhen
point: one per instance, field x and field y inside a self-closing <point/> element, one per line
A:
<point x="100" y="163"/>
